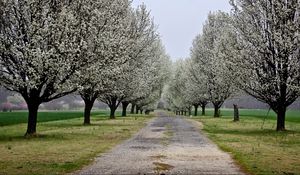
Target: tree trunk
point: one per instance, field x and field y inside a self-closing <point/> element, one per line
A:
<point x="89" y="103"/>
<point x="137" y="110"/>
<point x="203" y="110"/>
<point x="147" y="112"/>
<point x="190" y="111"/>
<point x="112" y="111"/>
<point x="132" y="108"/>
<point x="141" y="111"/>
<point x="196" y="109"/>
<point x="236" y="116"/>
<point x="32" y="118"/>
<point x="217" y="110"/>
<point x="281" y="119"/>
<point x="113" y="105"/>
<point x="124" y="108"/>
<point x="185" y="113"/>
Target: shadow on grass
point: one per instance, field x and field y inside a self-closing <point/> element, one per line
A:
<point x="105" y="123"/>
<point x="47" y="136"/>
<point x="38" y="137"/>
<point x="68" y="125"/>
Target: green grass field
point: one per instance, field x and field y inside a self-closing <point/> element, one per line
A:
<point x="254" y="143"/>
<point x="12" y="118"/>
<point x="291" y="115"/>
<point x="63" y="144"/>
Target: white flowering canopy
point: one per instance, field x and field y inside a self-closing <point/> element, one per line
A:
<point x="268" y="59"/>
<point x="40" y="48"/>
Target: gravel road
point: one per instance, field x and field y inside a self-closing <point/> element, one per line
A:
<point x="167" y="145"/>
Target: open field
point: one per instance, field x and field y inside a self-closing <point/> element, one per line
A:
<point x="11" y="118"/>
<point x="254" y="143"/>
<point x="62" y="146"/>
<point x="291" y="115"/>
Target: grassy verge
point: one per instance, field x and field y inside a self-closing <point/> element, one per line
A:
<point x="62" y="146"/>
<point x="255" y="144"/>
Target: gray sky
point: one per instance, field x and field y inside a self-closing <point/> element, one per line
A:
<point x="179" y="21"/>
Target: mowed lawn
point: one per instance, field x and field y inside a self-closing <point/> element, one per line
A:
<point x="63" y="144"/>
<point x="253" y="141"/>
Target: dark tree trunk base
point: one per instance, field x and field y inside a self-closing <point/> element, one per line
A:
<point x="32" y="119"/>
<point x="34" y="135"/>
<point x="89" y="103"/>
<point x="236" y="115"/>
<point x="87" y="112"/>
<point x="124" y="108"/>
<point x="27" y="135"/>
<point x="112" y="113"/>
<point x="196" y="110"/>
<point x="132" y="108"/>
<point x="216" y="112"/>
<point x="203" y="110"/>
<point x="113" y="105"/>
<point x="281" y="129"/>
<point x="281" y="120"/>
<point x="137" y="110"/>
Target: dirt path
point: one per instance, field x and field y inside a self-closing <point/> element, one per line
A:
<point x="167" y="145"/>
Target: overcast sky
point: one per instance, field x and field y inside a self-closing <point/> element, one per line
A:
<point x="179" y="21"/>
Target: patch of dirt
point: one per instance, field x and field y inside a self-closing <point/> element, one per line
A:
<point x="159" y="156"/>
<point x="157" y="130"/>
<point x="162" y="166"/>
<point x="139" y="147"/>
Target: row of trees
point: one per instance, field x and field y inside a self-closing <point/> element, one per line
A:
<point x="101" y="49"/>
<point x="204" y="77"/>
<point x="254" y="49"/>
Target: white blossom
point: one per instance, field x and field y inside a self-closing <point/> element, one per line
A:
<point x="268" y="59"/>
